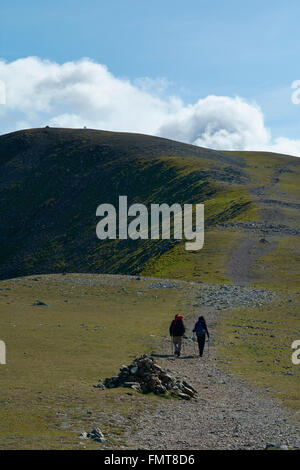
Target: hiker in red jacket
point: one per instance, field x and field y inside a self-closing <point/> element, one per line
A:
<point x="177" y="330"/>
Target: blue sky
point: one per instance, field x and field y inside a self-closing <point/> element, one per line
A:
<point x="225" y="48"/>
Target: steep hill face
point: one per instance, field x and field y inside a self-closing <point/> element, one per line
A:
<point x="52" y="181"/>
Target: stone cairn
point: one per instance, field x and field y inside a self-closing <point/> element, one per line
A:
<point x="145" y="376"/>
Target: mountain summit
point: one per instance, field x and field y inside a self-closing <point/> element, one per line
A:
<point x="52" y="181"/>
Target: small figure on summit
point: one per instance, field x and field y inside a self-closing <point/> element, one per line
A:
<point x="177" y="330"/>
<point x="201" y="331"/>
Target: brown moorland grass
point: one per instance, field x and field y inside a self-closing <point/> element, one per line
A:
<point x="55" y="353"/>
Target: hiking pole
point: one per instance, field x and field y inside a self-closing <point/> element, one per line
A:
<point x="194" y="341"/>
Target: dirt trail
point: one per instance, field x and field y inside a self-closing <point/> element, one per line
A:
<point x="273" y="222"/>
<point x="243" y="258"/>
<point x="229" y="414"/>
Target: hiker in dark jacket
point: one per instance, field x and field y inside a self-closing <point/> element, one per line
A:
<point x="177" y="330"/>
<point x="201" y="331"/>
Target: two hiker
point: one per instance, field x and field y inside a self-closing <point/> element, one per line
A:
<point x="177" y="330"/>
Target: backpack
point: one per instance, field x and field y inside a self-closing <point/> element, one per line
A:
<point x="200" y="330"/>
<point x="177" y="329"/>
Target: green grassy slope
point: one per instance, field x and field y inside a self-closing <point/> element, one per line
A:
<point x="52" y="181"/>
<point x="90" y="327"/>
<point x="255" y="343"/>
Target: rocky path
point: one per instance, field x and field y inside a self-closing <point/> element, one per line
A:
<point x="243" y="258"/>
<point x="261" y="237"/>
<point x="228" y="414"/>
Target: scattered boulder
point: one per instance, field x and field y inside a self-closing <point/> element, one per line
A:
<point x="284" y="447"/>
<point x="39" y="302"/>
<point x="277" y="446"/>
<point x="99" y="385"/>
<point x="95" y="435"/>
<point x="145" y="376"/>
<point x="270" y="445"/>
<point x="184" y="396"/>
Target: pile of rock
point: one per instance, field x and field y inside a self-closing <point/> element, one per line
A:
<point x="145" y="376"/>
<point x="95" y="435"/>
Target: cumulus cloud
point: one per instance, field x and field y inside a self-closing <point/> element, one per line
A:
<point x="218" y="122"/>
<point x="84" y="93"/>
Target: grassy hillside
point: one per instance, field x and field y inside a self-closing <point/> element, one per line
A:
<point x="255" y="344"/>
<point x="90" y="326"/>
<point x="52" y="181"/>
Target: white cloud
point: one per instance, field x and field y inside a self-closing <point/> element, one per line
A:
<point x="285" y="146"/>
<point x="218" y="122"/>
<point x="85" y="93"/>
